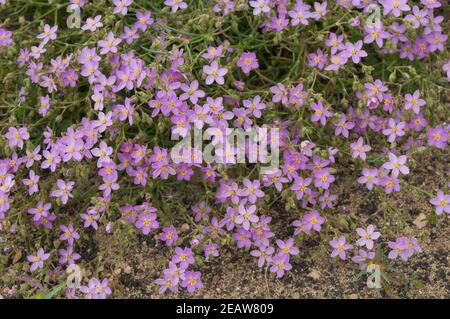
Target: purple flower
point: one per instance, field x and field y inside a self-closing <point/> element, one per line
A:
<point x="191" y="92"/>
<point x="375" y="33"/>
<point x="390" y="184"/>
<point x="242" y="238"/>
<point x="242" y="117"/>
<point x="214" y="73"/>
<point x="264" y="254"/>
<point x="287" y="247"/>
<point x="129" y="35"/>
<point x="109" y="44"/>
<point x="418" y="123"/>
<point x="64" y="190"/>
<point x="317" y="59"/>
<point x="16" y="137"/>
<point x="255" y="106"/>
<point x="279" y="23"/>
<point x="192" y="279"/>
<point x="395" y="7"/>
<point x="323" y="178"/>
<point x="320" y="10"/>
<point x="320" y="113"/>
<point x="436" y="41"/>
<point x="343" y="126"/>
<point x="313" y="221"/>
<point x="248" y="62"/>
<point x="438" y="137"/>
<point x="441" y="203"/>
<point x="394" y="130"/>
<point x="337" y="61"/>
<point x="96" y="289"/>
<point x="280" y="263"/>
<point x="32" y="182"/>
<point x="339" y="247"/>
<point x="147" y="221"/>
<point x="69" y="234"/>
<point x="300" y="13"/>
<point x="404" y="248"/>
<point x="376" y="89"/>
<point x="369" y="177"/>
<point x="4" y="204"/>
<point x="176" y="4"/>
<point x="201" y="211"/>
<point x="364" y="258"/>
<point x="183" y="257"/>
<point x="246" y="216"/>
<point x="280" y="94"/>
<point x="5" y="38"/>
<point x="355" y="51"/>
<point x="414" y="102"/>
<point x="48" y="34"/>
<point x="200" y="116"/>
<point x="359" y="149"/>
<point x="169" y="235"/>
<point x="396" y="165"/>
<point x="92" y="24"/>
<point x="431" y="4"/>
<point x="143" y="20"/>
<point x="90" y="219"/>
<point x="213" y="53"/>
<point x="418" y="17"/>
<point x="77" y="4"/>
<point x="260" y="6"/>
<point x="68" y="256"/>
<point x="251" y="190"/>
<point x="167" y="283"/>
<point x="37" y="261"/>
<point x="121" y="6"/>
<point x="367" y="236"/>
<point x="335" y="43"/>
<point x="275" y="179"/>
<point x="211" y="250"/>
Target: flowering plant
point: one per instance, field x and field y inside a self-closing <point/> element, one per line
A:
<point x="90" y="117"/>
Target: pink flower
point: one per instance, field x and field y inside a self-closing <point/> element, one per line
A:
<point x="32" y="182"/>
<point x="96" y="289"/>
<point x="438" y="137"/>
<point x="414" y="102"/>
<point x="369" y="177"/>
<point x="16" y="137"/>
<point x="394" y="130"/>
<point x="214" y="73"/>
<point x="396" y="165"/>
<point x="246" y="216"/>
<point x="340" y="247"/>
<point x="121" y="6"/>
<point x="248" y="62"/>
<point x="92" y="24"/>
<point x="355" y="51"/>
<point x="64" y="190"/>
<point x="260" y="6"/>
<point x="280" y="263"/>
<point x="176" y="4"/>
<point x="109" y="44"/>
<point x="360" y="149"/>
<point x="48" y="34"/>
<point x="395" y="7"/>
<point x="367" y="236"/>
<point x="38" y="260"/>
<point x="441" y="202"/>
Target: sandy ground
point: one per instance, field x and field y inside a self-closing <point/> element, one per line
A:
<point x="234" y="274"/>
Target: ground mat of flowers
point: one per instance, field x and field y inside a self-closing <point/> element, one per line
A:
<point x="224" y="149"/>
